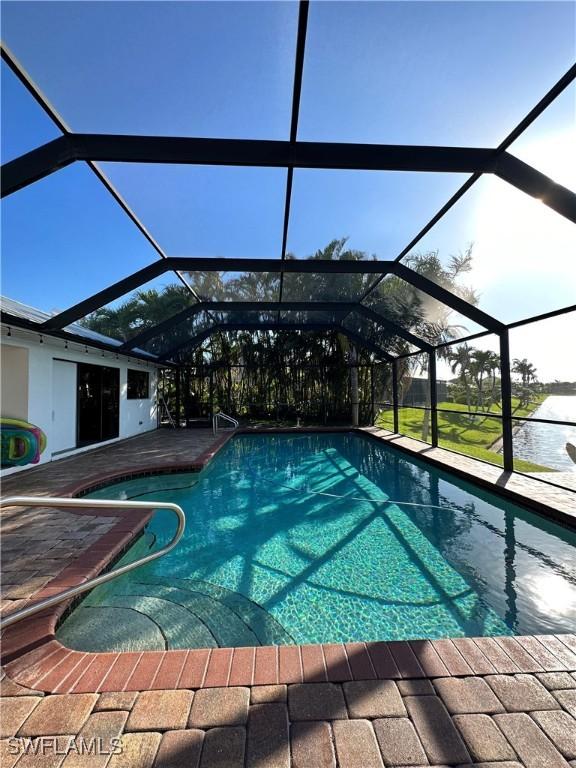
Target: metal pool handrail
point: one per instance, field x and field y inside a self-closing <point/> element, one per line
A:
<point x="221" y="415"/>
<point x="51" y="501"/>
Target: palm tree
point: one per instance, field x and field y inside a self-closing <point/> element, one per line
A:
<point x="481" y="364"/>
<point x="525" y="370"/>
<point x="493" y="367"/>
<point x="459" y="360"/>
<point x="116" y="322"/>
<point x="527" y="373"/>
<point x="332" y="287"/>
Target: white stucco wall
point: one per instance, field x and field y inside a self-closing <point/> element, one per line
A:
<point x="136" y="416"/>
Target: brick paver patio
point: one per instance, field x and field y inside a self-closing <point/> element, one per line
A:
<point x="304" y="725"/>
<point x="502" y="702"/>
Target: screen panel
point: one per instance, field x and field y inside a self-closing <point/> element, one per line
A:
<point x="180" y="333"/>
<point x="65" y="238"/>
<point x="24" y="123"/>
<point x="468" y="386"/>
<point x="161" y="68"/>
<point x="142" y="309"/>
<point x="384" y="416"/>
<point x="468" y="376"/>
<point x="415" y="423"/>
<point x="469" y="434"/>
<point x="302" y="286"/>
<point x="548" y="144"/>
<point x="391" y="72"/>
<point x="376" y="334"/>
<point x="311" y="316"/>
<point x="235" y="286"/>
<point x="540" y="451"/>
<point x="413" y="381"/>
<point x="544" y="384"/>
<point x="543" y="357"/>
<point x="382" y="383"/>
<point x="375" y="212"/>
<point x="201" y="210"/>
<point x="416" y="311"/>
<point x="513" y="252"/>
<point x="249" y="316"/>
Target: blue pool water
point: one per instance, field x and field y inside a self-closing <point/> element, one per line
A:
<point x="302" y="538"/>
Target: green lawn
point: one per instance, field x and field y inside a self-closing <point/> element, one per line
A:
<point x="462" y="434"/>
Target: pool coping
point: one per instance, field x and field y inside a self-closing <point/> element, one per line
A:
<point x="33" y="657"/>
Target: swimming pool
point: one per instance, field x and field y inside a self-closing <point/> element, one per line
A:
<point x="328" y="538"/>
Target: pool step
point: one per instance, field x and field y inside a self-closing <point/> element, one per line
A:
<point x="157" y="614"/>
<point x="263" y="624"/>
<point x="115" y="623"/>
<point x="225" y="626"/>
<point x="180" y="627"/>
<point x="107" y="628"/>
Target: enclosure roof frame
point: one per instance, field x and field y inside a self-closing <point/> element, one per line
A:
<point x="292" y="154"/>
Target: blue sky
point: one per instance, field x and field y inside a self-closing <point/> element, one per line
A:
<point x="452" y="73"/>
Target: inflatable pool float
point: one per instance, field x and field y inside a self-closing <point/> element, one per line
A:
<point x="21" y="443"/>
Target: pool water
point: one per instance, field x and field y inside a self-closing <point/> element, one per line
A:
<point x="329" y="538"/>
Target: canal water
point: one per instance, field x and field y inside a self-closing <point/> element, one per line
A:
<point x="546" y="443"/>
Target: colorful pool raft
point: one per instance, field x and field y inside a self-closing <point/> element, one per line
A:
<point x="22" y="443"/>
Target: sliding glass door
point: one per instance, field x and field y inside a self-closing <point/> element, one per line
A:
<point x="98" y="403"/>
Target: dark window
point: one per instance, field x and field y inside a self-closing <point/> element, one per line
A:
<point x="138" y="385"/>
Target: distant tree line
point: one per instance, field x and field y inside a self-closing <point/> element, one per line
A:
<point x="319" y="374"/>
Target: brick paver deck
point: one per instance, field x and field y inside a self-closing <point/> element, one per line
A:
<point x="505" y="702"/>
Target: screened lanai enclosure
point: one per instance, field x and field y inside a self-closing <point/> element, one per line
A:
<point x="305" y="238"/>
